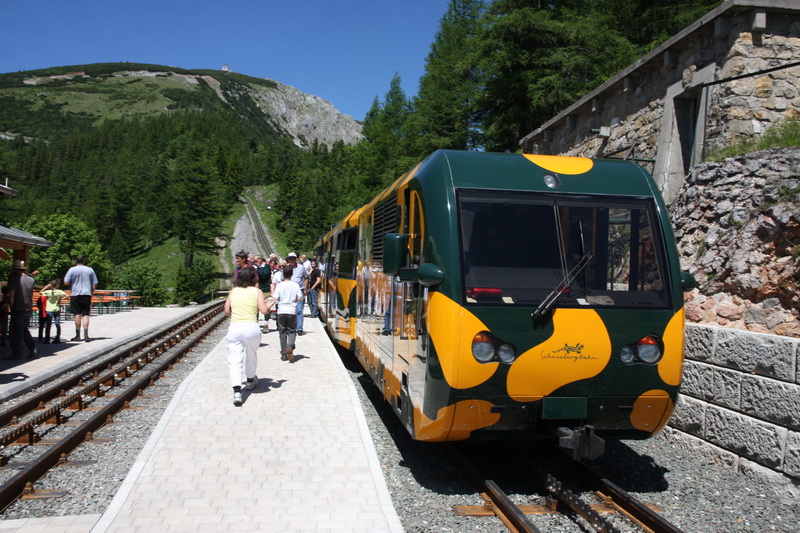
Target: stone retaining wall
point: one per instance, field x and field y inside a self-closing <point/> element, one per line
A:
<point x="732" y="73"/>
<point x="740" y="403"/>
<point x="737" y="223"/>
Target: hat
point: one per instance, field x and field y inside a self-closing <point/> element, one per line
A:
<point x="291" y="255"/>
<point x="19" y="264"/>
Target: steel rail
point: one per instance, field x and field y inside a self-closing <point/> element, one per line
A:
<point x="15" y="487"/>
<point x="510" y="509"/>
<point x="54" y="390"/>
<point x="261" y="235"/>
<point x="25" y="423"/>
<point x="498" y="501"/>
<point x="638" y="511"/>
<point x="616" y="497"/>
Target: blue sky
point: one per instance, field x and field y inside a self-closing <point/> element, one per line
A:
<point x="344" y="51"/>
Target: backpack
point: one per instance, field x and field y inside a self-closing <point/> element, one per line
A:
<point x="41" y="303"/>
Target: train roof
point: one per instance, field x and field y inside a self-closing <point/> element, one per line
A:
<point x="529" y="172"/>
<point x="521" y="172"/>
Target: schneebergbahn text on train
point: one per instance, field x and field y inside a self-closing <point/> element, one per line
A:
<point x="513" y="296"/>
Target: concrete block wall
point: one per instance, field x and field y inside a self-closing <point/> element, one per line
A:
<point x="740" y="400"/>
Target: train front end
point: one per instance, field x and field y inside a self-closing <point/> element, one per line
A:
<point x="560" y="313"/>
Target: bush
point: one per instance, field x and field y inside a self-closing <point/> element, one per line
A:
<point x="70" y="236"/>
<point x="145" y="278"/>
<point x="193" y="283"/>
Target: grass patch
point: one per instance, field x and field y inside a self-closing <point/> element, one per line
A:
<point x="169" y="258"/>
<point x="784" y="134"/>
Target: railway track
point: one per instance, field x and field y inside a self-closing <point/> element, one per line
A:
<point x="263" y="239"/>
<point x="46" y="427"/>
<point x="597" y="503"/>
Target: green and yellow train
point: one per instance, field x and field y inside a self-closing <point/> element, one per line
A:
<point x="513" y="296"/>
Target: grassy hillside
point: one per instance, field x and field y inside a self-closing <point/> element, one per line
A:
<point x="150" y="157"/>
<point x="47" y="102"/>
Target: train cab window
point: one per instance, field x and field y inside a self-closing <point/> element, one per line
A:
<point x="594" y="251"/>
<point x="347" y="251"/>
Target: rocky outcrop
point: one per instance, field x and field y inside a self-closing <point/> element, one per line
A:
<point x="307" y="118"/>
<point x="738" y="229"/>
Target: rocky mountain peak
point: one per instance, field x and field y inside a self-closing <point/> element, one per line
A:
<point x="307" y="117"/>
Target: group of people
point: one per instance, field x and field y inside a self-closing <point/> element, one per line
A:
<point x="17" y="303"/>
<point x="259" y="284"/>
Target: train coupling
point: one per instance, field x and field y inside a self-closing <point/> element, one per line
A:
<point x="582" y="441"/>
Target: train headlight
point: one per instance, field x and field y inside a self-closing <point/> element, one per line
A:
<point x="552" y="181"/>
<point x="628" y="355"/>
<point x="648" y="350"/>
<point x="506" y="353"/>
<point x="483" y="347"/>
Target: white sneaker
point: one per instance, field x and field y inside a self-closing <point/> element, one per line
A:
<point x="237" y="398"/>
<point x="251" y="383"/>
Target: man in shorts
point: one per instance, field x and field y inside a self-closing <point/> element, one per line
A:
<point x="83" y="282"/>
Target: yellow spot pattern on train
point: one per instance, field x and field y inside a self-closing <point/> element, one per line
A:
<point x="455" y="422"/>
<point x="651" y="411"/>
<point x="579" y="348"/>
<point x="454" y="344"/>
<point x="561" y="164"/>
<point x="670" y="367"/>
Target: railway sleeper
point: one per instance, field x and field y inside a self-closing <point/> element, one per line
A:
<point x="550" y="508"/>
<point x="91" y="439"/>
<point x="63" y="460"/>
<point x="31" y="493"/>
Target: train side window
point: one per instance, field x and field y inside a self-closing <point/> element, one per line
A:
<point x="348" y="244"/>
<point x="632" y="264"/>
<point x="416" y="231"/>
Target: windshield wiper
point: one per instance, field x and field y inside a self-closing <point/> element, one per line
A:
<point x="547" y="304"/>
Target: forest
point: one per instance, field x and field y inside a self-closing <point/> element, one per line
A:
<point x="114" y="188"/>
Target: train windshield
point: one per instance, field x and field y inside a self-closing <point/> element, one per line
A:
<point x="523" y="248"/>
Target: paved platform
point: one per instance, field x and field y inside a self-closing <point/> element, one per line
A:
<point x="297" y="456"/>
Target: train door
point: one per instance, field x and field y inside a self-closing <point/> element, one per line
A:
<point x="412" y="312"/>
<point x="323" y="252"/>
<point x="410" y="345"/>
<point x="365" y="275"/>
<point x="328" y="304"/>
<point x="344" y="269"/>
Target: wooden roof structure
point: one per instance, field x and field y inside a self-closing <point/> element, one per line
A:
<point x="17" y="240"/>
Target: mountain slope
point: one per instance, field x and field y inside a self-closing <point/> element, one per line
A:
<point x="47" y="102"/>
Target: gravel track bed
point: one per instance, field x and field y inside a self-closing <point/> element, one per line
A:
<point x="695" y="494"/>
<point x="91" y="487"/>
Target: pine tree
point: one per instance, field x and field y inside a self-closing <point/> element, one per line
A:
<point x="196" y="205"/>
<point x="444" y="115"/>
<point x="539" y="58"/>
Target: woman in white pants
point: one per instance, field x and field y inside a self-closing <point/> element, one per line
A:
<point x="244" y="335"/>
